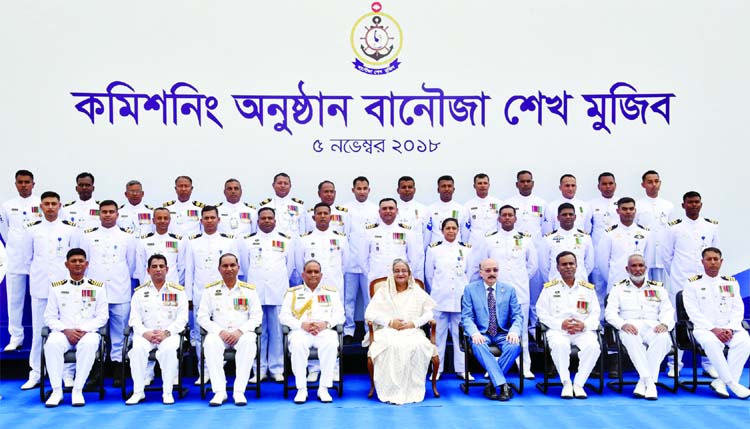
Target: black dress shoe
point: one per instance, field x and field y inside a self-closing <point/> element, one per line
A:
<point x="490" y="392"/>
<point x="505" y="392"/>
<point x="348" y="339"/>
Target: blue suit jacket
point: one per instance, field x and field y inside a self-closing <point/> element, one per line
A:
<point x="475" y="316"/>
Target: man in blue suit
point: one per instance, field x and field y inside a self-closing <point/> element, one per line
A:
<point x="490" y="314"/>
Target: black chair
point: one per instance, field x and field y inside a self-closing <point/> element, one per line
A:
<point x="613" y="342"/>
<point x="182" y="351"/>
<point x="70" y="357"/>
<point x="429" y="329"/>
<point x="541" y="338"/>
<point x="687" y="342"/>
<point x="465" y="345"/>
<point x="338" y="385"/>
<point x="229" y="355"/>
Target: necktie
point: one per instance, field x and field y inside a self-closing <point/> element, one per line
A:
<point x="492" y="307"/>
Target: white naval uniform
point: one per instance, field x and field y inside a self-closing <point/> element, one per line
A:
<point x="603" y="216"/>
<point x="339" y="219"/>
<point x="15" y="215"/>
<point x="517" y="258"/>
<point x="655" y="214"/>
<point x="202" y="255"/>
<point x="686" y="239"/>
<point x="137" y="219"/>
<point x="237" y="219"/>
<point x="414" y="214"/>
<point x="153" y="309"/>
<point x="226" y="309"/>
<point x="386" y="243"/>
<point x="437" y="212"/>
<point x="186" y="217"/>
<point x="80" y="305"/>
<point x="715" y="302"/>
<point x="583" y="215"/>
<point x="356" y="282"/>
<point x="448" y="266"/>
<point x="44" y="248"/>
<point x="304" y="305"/>
<point x="330" y="249"/>
<point x="112" y="254"/>
<point x="268" y="260"/>
<point x="645" y="308"/>
<point x="169" y="245"/>
<point x="573" y="240"/>
<point x="85" y="214"/>
<point x="559" y="302"/>
<point x="616" y="246"/>
<point x="290" y="214"/>
<point x="3" y="262"/>
<point x="482" y="214"/>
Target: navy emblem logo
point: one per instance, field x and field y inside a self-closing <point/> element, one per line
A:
<point x="376" y="40"/>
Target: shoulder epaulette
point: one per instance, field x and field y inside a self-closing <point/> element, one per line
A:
<point x="550" y="233"/>
<point x="404" y="226"/>
<point x="59" y="283"/>
<point x="294" y="288"/>
<point x="695" y="277"/>
<point x="490" y="233"/>
<point x="311" y="209"/>
<point x="148" y="283"/>
<point x="675" y="222"/>
<point x="551" y="283"/>
<point x="168" y="203"/>
<point x="126" y="230"/>
<point x="580" y="231"/>
<point x="654" y="283"/>
<point x="68" y="222"/>
<point x="715" y="222"/>
<point x="342" y="234"/>
<point x="622" y="282"/>
<point x="96" y="283"/>
<point x="250" y="206"/>
<point x="30" y="224"/>
<point x="149" y="207"/>
<point x="298" y="201"/>
<point x="147" y="235"/>
<point x="284" y="235"/>
<point x="372" y="225"/>
<point x="219" y="204"/>
<point x="519" y="236"/>
<point x="225" y="235"/>
<point x="330" y="288"/>
<point x="246" y="285"/>
<point x="435" y="244"/>
<point x="613" y="227"/>
<point x="175" y="286"/>
<point x="90" y="230"/>
<point x="97" y="202"/>
<point x="121" y="207"/>
<point x="342" y="209"/>
<point x="643" y="227"/>
<point x="175" y="236"/>
<point x="216" y="283"/>
<point x="198" y="204"/>
<point x="729" y="278"/>
<point x="467" y="245"/>
<point x="194" y="236"/>
<point x="264" y="202"/>
<point x="586" y="284"/>
<point x="69" y="204"/>
<point x="305" y="234"/>
<point x="525" y="234"/>
<point x="249" y="235"/>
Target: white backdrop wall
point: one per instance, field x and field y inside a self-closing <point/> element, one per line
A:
<point x="693" y="49"/>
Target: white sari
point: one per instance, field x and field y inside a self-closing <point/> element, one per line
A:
<point x="400" y="358"/>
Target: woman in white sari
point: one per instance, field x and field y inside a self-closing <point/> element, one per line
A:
<point x="400" y="351"/>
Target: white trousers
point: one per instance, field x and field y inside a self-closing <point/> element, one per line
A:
<point x="245" y="351"/>
<point x="588" y="345"/>
<point x="54" y="355"/>
<point x="37" y="323"/>
<point x="646" y="360"/>
<point x="445" y="320"/>
<point x="16" y="288"/>
<point x="729" y="368"/>
<point x="166" y="354"/>
<point x="118" y="321"/>
<point x="300" y="342"/>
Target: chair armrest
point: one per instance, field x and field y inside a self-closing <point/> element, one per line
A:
<point x="128" y="331"/>
<point x="203" y="332"/>
<point x="339" y="328"/>
<point x="539" y="331"/>
<point x="45" y="332"/>
<point x="258" y="329"/>
<point x="285" y="329"/>
<point x="103" y="330"/>
<point x="746" y="325"/>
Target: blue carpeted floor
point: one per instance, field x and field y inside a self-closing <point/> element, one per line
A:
<point x="19" y="409"/>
